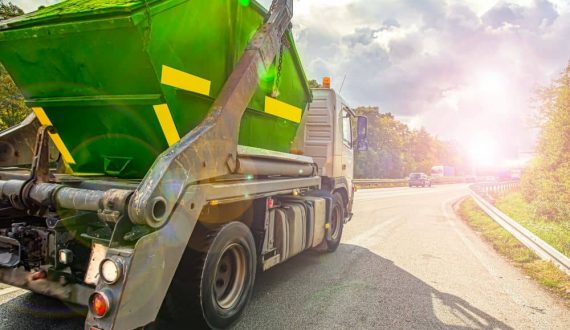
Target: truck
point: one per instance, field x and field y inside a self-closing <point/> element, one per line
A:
<point x="442" y="171"/>
<point x="174" y="151"/>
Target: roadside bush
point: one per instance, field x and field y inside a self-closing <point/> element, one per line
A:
<point x="546" y="183"/>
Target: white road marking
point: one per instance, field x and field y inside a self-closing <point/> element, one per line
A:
<point x="365" y="238"/>
<point x="8" y="291"/>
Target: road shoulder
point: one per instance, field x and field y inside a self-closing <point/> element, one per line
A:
<point x="544" y="273"/>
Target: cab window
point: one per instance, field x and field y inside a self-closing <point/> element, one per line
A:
<point x="346" y="129"/>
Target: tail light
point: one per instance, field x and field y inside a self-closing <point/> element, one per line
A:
<point x="99" y="304"/>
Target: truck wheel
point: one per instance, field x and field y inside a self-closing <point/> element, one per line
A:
<point x="213" y="286"/>
<point x="228" y="275"/>
<point x="336" y="223"/>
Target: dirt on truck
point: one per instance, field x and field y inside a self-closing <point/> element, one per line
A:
<point x="174" y="150"/>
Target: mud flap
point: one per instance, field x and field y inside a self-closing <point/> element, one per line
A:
<point x="151" y="268"/>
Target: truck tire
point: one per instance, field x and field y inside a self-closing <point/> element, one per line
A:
<point x="336" y="223"/>
<point x="214" y="281"/>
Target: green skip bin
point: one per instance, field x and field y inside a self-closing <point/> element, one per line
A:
<point x="122" y="80"/>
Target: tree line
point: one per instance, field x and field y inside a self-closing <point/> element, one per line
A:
<point x="12" y="107"/>
<point x="395" y="150"/>
<point x="545" y="184"/>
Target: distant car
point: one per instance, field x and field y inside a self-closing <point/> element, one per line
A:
<point x="419" y="179"/>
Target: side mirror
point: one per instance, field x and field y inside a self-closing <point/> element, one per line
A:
<point x="361" y="133"/>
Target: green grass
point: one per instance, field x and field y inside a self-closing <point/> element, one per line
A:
<point x="555" y="233"/>
<point x="507" y="245"/>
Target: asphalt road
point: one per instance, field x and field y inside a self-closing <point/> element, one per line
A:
<point x="405" y="262"/>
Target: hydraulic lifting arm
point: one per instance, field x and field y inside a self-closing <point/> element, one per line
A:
<point x="210" y="149"/>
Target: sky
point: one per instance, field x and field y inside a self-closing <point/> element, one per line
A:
<point x="465" y="70"/>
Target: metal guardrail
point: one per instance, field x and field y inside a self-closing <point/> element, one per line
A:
<point x="379" y="180"/>
<point x="404" y="182"/>
<point x="481" y="192"/>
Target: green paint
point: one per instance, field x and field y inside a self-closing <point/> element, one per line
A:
<point x="95" y="66"/>
<point x="83" y="8"/>
<point x="79" y="6"/>
<point x="244" y="3"/>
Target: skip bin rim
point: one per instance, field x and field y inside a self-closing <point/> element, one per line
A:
<point x="155" y="6"/>
<point x="16" y="28"/>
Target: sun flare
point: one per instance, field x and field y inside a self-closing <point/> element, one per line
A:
<point x="491" y="81"/>
<point x="483" y="149"/>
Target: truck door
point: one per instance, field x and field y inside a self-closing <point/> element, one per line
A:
<point x="347" y="156"/>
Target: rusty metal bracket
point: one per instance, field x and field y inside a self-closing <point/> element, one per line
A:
<point x="40" y="163"/>
<point x="39" y="171"/>
<point x="17" y="143"/>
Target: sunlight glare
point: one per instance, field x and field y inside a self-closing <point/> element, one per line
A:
<point x="483" y="149"/>
<point x="491" y="82"/>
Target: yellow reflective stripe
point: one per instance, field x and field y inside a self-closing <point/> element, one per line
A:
<point x="57" y="141"/>
<point x="185" y="81"/>
<point x="167" y="123"/>
<point x="282" y="109"/>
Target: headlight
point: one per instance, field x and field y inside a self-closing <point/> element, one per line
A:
<point x="111" y="270"/>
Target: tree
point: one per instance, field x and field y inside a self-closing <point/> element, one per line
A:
<point x="8" y="10"/>
<point x="394" y="150"/>
<point x="314" y="84"/>
<point x="12" y="107"/>
<point x="546" y="183"/>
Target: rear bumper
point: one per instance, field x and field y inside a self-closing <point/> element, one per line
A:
<point x="73" y="293"/>
<point x="417" y="183"/>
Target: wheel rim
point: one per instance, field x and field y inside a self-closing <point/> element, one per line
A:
<point x="336" y="223"/>
<point x="230" y="276"/>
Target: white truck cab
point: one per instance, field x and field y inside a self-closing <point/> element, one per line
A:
<point x="326" y="135"/>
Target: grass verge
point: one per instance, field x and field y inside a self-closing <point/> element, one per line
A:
<point x="507" y="245"/>
<point x="555" y="233"/>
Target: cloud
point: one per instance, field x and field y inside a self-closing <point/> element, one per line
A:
<point x="432" y="60"/>
<point x="539" y="15"/>
<point x="363" y="36"/>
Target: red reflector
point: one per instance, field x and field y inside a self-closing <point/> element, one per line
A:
<point x="39" y="275"/>
<point x="270" y="203"/>
<point x="99" y="304"/>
